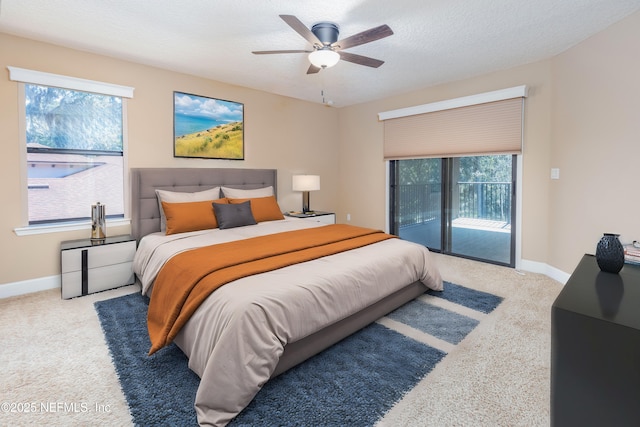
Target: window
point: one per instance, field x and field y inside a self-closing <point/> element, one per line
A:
<point x="74" y="154"/>
<point x="74" y="133"/>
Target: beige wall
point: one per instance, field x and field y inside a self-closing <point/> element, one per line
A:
<point x="582" y="116"/>
<point x="289" y="135"/>
<point x="596" y="143"/>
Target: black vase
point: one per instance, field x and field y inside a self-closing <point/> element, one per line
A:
<point x="610" y="253"/>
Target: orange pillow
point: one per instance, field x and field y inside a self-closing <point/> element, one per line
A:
<point x="190" y="216"/>
<point x="262" y="208"/>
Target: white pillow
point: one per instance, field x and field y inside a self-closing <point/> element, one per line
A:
<point x="176" y="197"/>
<point x="237" y="193"/>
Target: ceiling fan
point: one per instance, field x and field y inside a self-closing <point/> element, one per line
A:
<point x="327" y="50"/>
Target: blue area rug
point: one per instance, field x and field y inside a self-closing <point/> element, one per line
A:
<point x="355" y="382"/>
<point x="470" y="298"/>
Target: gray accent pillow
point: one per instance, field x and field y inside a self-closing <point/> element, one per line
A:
<point x="230" y="216"/>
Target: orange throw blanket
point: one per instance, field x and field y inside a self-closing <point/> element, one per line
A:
<point x="188" y="278"/>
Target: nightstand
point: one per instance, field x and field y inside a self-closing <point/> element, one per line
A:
<point x="316" y="216"/>
<point x="89" y="266"/>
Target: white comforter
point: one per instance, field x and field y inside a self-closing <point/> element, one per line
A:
<point x="236" y="337"/>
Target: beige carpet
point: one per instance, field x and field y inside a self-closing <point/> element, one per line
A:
<point x="56" y="369"/>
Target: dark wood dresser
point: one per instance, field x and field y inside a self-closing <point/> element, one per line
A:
<point x="595" y="348"/>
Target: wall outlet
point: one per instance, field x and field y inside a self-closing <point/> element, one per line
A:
<point x="555" y="173"/>
<point x="348" y="217"/>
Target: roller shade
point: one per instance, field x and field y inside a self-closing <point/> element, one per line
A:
<point x="482" y="129"/>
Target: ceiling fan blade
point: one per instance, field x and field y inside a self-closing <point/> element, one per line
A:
<point x="301" y="29"/>
<point x="373" y="34"/>
<point x="313" y="69"/>
<point x="269" y="52"/>
<point x="360" y="60"/>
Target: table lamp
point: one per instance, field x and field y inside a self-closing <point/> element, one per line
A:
<point x="306" y="183"/>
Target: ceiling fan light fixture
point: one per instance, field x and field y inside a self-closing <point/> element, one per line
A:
<point x="324" y="58"/>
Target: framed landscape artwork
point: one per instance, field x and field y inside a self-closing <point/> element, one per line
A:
<point x="207" y="127"/>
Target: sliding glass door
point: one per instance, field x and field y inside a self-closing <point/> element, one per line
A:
<point x="416" y="201"/>
<point x="460" y="206"/>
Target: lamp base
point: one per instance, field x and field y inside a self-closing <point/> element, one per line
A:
<point x="305" y="202"/>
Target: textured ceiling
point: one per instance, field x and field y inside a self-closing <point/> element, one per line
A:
<point x="434" y="41"/>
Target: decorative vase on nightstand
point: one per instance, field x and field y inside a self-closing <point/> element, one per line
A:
<point x="610" y="253"/>
<point x="98" y="223"/>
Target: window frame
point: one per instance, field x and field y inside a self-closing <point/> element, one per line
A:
<point x="24" y="76"/>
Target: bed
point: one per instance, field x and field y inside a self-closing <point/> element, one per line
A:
<point x="300" y="304"/>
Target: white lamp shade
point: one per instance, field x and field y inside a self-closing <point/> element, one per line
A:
<point x="324" y="58"/>
<point x="306" y="182"/>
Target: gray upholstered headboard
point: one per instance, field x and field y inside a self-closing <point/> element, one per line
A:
<point x="145" y="214"/>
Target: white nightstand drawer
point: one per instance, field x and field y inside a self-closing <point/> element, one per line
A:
<point x="88" y="266"/>
<point x="324" y="219"/>
<point x="98" y="279"/>
<point x="317" y="216"/>
<point x="99" y="256"/>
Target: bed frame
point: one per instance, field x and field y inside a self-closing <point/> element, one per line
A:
<point x="145" y="219"/>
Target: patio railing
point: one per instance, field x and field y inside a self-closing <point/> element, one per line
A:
<point x="477" y="200"/>
<point x="485" y="200"/>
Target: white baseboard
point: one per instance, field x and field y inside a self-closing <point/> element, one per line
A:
<point x="547" y="270"/>
<point x="29" y="286"/>
<point x="52" y="282"/>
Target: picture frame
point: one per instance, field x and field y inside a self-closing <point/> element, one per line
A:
<point x="209" y="128"/>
